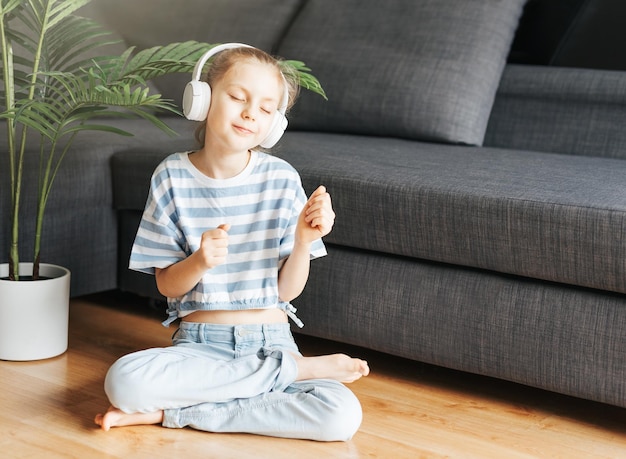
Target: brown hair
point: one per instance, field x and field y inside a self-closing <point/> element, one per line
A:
<point x="224" y="60"/>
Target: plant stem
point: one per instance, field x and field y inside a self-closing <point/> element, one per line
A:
<point x="9" y="91"/>
<point x="45" y="185"/>
<point x="31" y="95"/>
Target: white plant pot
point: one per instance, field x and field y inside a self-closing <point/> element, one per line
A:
<point x="34" y="315"/>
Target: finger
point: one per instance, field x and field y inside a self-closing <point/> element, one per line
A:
<point x="215" y="234"/>
<point x="321" y="223"/>
<point x="219" y="242"/>
<point x="322" y="205"/>
<point x="319" y="202"/>
<point x="221" y="232"/>
<point x="319" y="190"/>
<point x="220" y="252"/>
<point x="320" y="210"/>
<point x="316" y="215"/>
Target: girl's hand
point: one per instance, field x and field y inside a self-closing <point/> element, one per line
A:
<point x="181" y="277"/>
<point x="317" y="217"/>
<point x="214" y="246"/>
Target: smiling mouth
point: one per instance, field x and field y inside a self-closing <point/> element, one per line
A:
<point x="243" y="129"/>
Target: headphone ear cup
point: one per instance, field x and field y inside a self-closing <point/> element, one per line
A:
<point x="196" y="100"/>
<point x="279" y="125"/>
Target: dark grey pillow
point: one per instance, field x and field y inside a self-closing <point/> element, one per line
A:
<point x="147" y="23"/>
<point x="418" y="69"/>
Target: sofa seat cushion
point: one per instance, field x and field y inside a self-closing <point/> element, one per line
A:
<point x="435" y="81"/>
<point x="547" y="216"/>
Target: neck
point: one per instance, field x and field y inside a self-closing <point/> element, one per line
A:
<point x="220" y="165"/>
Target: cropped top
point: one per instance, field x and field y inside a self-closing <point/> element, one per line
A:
<point x="262" y="205"/>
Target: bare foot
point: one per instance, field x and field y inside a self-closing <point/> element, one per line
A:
<point x="339" y="367"/>
<point x="117" y="418"/>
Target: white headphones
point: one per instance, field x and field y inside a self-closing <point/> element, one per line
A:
<point x="197" y="97"/>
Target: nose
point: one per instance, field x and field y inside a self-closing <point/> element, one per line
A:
<point x="248" y="114"/>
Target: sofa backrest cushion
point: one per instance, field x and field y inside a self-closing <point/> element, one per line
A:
<point x="418" y="69"/>
<point x="148" y="23"/>
<point x="574" y="111"/>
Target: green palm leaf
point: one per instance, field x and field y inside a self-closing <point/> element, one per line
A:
<point x="305" y="78"/>
<point x="153" y="62"/>
<point x="78" y="98"/>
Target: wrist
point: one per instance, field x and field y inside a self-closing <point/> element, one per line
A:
<point x="198" y="263"/>
<point x="302" y="245"/>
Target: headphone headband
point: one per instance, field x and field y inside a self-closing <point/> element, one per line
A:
<point x="197" y="71"/>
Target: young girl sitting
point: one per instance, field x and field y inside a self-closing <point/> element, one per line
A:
<point x="229" y="233"/>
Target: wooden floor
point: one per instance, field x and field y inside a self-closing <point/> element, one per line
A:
<point x="410" y="410"/>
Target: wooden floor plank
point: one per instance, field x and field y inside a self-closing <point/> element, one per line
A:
<point x="411" y="410"/>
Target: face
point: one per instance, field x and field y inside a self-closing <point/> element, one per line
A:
<point x="243" y="103"/>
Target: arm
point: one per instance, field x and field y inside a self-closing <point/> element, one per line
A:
<point x="315" y="221"/>
<point x="179" y="278"/>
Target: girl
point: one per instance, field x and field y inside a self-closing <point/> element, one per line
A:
<point x="228" y="233"/>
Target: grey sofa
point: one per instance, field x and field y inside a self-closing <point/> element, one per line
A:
<point x="478" y="179"/>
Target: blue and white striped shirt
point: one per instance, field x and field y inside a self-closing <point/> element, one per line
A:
<point x="262" y="205"/>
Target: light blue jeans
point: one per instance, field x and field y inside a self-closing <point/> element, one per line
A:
<point x="222" y="378"/>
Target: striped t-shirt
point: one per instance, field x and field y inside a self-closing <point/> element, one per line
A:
<point x="262" y="205"/>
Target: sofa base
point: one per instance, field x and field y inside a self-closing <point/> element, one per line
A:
<point x="544" y="335"/>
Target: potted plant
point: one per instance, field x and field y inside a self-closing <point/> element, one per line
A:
<point x="56" y="83"/>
